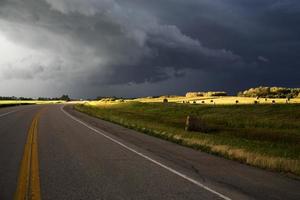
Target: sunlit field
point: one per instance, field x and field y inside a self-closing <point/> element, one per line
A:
<point x="220" y="100"/>
<point x="264" y="134"/>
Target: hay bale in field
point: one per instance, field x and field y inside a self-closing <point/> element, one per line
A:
<point x="215" y="94"/>
<point x="273" y="101"/>
<point x="207" y="94"/>
<point x="194" y="94"/>
<point x="165" y="101"/>
<point x="196" y="124"/>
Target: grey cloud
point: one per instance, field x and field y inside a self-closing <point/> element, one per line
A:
<point x="263" y="59"/>
<point x="11" y="72"/>
<point x="113" y="42"/>
<point x="107" y="37"/>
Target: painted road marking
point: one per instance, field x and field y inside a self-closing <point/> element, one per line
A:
<point x="28" y="187"/>
<point x="4" y="114"/>
<point x="148" y="158"/>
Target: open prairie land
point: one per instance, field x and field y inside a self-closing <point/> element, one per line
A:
<point x="219" y="100"/>
<point x="262" y="135"/>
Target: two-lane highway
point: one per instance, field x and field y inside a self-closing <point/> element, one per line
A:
<point x="80" y="157"/>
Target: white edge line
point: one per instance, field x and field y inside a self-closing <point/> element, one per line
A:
<point x="148" y="158"/>
<point x="2" y="115"/>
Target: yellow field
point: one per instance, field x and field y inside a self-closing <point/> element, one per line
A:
<point x="219" y="100"/>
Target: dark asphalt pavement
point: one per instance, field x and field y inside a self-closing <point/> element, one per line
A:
<point x="13" y="130"/>
<point x="100" y="160"/>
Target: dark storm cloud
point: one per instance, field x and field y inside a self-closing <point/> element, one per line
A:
<point x="111" y="42"/>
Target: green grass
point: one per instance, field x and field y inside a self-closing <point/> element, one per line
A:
<point x="267" y="136"/>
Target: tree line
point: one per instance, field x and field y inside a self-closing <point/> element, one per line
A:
<point x="271" y="92"/>
<point x="64" y="97"/>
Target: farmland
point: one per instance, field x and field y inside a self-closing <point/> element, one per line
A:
<point x="230" y="100"/>
<point x="266" y="135"/>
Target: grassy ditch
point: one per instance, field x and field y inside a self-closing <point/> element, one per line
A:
<point x="266" y="136"/>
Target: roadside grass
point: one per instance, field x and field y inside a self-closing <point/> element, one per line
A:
<point x="266" y="136"/>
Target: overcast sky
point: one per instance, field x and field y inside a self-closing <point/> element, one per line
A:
<point x="90" y="48"/>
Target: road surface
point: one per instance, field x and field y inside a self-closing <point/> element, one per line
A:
<point x="51" y="152"/>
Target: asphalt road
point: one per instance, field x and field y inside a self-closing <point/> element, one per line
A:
<point x="81" y="157"/>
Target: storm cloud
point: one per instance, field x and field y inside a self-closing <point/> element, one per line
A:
<point x="110" y="47"/>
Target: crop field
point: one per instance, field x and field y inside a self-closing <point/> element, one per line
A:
<point x="262" y="135"/>
<point x="219" y="100"/>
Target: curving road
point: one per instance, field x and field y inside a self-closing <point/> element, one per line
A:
<point x="80" y="157"/>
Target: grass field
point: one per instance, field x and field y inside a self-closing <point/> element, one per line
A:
<point x="218" y="100"/>
<point x="267" y="136"/>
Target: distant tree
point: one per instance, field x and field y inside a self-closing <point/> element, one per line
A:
<point x="99" y="98"/>
<point x="43" y="98"/>
<point x="271" y="92"/>
<point x="25" y="98"/>
<point x="240" y="94"/>
<point x="207" y="94"/>
<point x="65" y="97"/>
<point x="9" y="98"/>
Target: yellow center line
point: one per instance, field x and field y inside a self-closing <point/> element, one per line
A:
<point x="28" y="186"/>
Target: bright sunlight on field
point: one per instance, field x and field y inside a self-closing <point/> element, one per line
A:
<point x="220" y="100"/>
